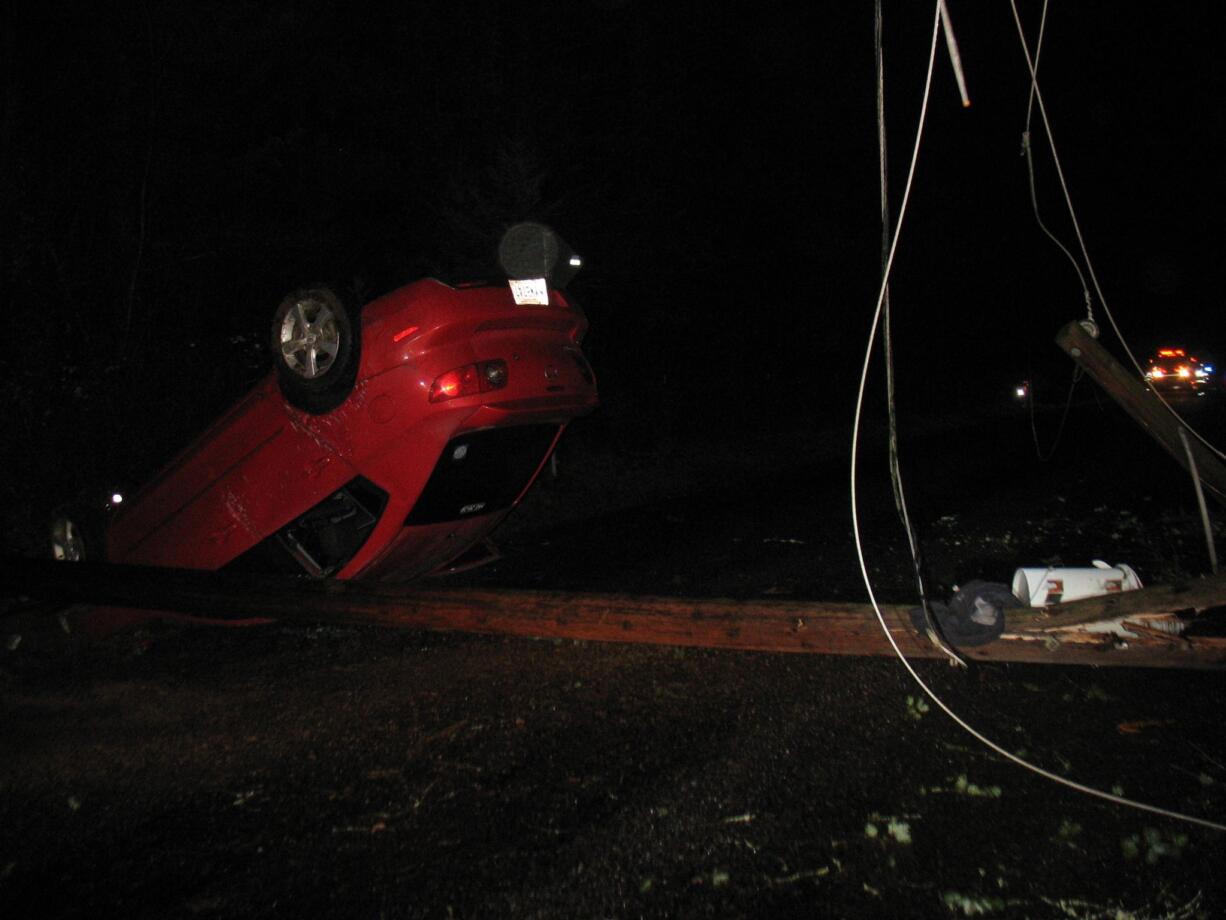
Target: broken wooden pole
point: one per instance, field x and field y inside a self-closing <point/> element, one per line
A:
<point x="1146" y="408"/>
<point x="772" y="625"/>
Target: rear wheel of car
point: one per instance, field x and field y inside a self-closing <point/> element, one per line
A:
<point x="315" y="348"/>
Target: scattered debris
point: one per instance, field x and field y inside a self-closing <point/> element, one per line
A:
<point x="1069" y="828"/>
<point x="917" y="707"/>
<point x="1152" y="844"/>
<point x="975" y="614"/>
<point x="1039" y="586"/>
<point x="895" y="827"/>
<point x="718" y="879"/>
<point x="900" y="831"/>
<point x="968" y="906"/>
<point x="1079" y="909"/>
<point x="242" y="798"/>
<point x="1138" y="726"/>
<point x="386" y="773"/>
<point x="963" y="786"/>
<point x="801" y="876"/>
<point x="1095" y="692"/>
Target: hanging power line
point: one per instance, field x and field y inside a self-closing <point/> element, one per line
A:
<point x="855" y="441"/>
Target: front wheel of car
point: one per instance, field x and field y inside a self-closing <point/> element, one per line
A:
<point x="315" y="348"/>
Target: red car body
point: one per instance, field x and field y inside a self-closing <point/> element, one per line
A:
<point x="402" y="477"/>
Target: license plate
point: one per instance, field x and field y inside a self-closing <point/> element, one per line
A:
<point x="530" y="291"/>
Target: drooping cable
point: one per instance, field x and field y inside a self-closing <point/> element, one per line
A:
<point x="855" y="517"/>
<point x="1089" y="265"/>
<point x="1028" y="153"/>
<point x="1045" y="455"/>
<point x="931" y="628"/>
<point x="1200" y="500"/>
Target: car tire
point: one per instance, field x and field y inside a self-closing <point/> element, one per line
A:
<point x="315" y="349"/>
<point x="76" y="536"/>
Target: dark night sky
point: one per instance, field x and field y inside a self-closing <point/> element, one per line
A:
<point x="171" y="168"/>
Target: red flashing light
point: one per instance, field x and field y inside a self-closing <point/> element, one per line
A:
<point x="1170" y="352"/>
<point x="468" y="380"/>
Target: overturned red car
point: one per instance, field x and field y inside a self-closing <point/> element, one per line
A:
<point x="386" y="443"/>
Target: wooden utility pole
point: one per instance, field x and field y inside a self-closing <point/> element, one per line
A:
<point x="1123" y="385"/>
<point x="1136" y="628"/>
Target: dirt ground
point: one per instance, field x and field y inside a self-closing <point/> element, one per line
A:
<point x="174" y="771"/>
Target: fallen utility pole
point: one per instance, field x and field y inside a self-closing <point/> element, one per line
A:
<point x="1122" y="385"/>
<point x="1098" y="631"/>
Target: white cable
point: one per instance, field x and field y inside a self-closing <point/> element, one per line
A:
<point x="1051" y="142"/>
<point x="855" y="518"/>
<point x="1200" y="500"/>
<point x="955" y="59"/>
<point x="931" y="628"/>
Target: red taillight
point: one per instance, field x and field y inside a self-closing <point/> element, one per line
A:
<point x="469" y="379"/>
